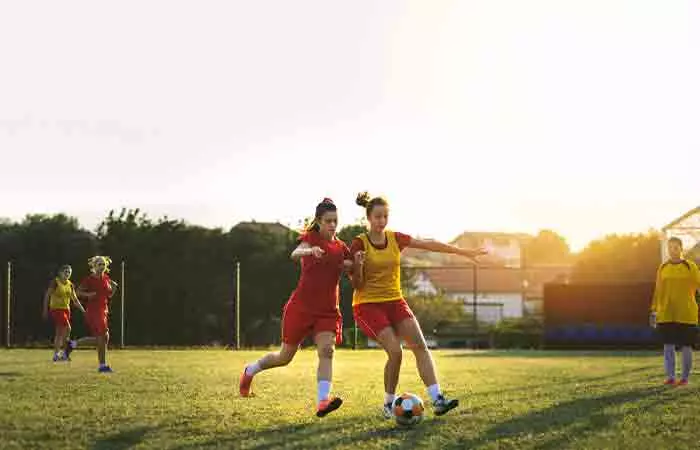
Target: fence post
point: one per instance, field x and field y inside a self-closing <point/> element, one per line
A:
<point x="9" y="303"/>
<point x="123" y="296"/>
<point x="237" y="305"/>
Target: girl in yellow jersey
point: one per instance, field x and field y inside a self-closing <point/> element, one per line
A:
<point x="57" y="302"/>
<point x="674" y="310"/>
<point x="378" y="304"/>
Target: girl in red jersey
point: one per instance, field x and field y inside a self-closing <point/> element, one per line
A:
<point x="98" y="288"/>
<point x="312" y="308"/>
<point x="378" y="304"/>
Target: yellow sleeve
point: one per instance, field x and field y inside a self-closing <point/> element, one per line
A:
<point x="696" y="272"/>
<point x="657" y="291"/>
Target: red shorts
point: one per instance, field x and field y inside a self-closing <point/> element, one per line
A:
<point x="298" y="323"/>
<point x="96" y="321"/>
<point x="372" y="318"/>
<point x="60" y="317"/>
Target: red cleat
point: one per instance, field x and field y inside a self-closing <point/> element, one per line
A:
<point x="683" y="383"/>
<point x="670" y="382"/>
<point x="326" y="407"/>
<point x="244" y="384"/>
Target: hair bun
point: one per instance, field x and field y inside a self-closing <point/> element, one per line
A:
<point x="363" y="199"/>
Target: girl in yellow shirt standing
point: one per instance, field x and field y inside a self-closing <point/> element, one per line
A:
<point x="57" y="302"/>
<point x="378" y="304"/>
<point x="674" y="311"/>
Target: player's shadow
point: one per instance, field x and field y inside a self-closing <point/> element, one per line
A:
<point x="334" y="431"/>
<point x="123" y="440"/>
<point x="532" y="354"/>
<point x="563" y="381"/>
<point x="556" y="425"/>
<point x="10" y="374"/>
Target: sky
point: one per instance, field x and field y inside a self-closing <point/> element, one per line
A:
<point x="579" y="116"/>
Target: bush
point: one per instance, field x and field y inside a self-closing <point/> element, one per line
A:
<point x="520" y="333"/>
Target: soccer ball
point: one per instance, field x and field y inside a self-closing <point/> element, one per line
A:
<point x="408" y="409"/>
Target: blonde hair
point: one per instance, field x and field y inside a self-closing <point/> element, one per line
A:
<point x="92" y="262"/>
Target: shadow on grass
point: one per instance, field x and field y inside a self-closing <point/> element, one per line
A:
<point x="10" y="374"/>
<point x="547" y="353"/>
<point x="568" y="381"/>
<point x="557" y="425"/>
<point x="341" y="431"/>
<point x="122" y="440"/>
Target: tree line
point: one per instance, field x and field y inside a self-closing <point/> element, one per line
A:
<point x="180" y="278"/>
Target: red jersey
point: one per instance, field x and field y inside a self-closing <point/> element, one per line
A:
<point x="102" y="288"/>
<point x="318" y="288"/>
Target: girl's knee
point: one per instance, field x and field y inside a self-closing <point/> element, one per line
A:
<point x="326" y="351"/>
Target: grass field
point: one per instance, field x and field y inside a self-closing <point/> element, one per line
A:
<point x="188" y="399"/>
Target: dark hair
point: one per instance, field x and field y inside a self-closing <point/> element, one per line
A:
<point x="676" y="240"/>
<point x="367" y="202"/>
<point x="325" y="206"/>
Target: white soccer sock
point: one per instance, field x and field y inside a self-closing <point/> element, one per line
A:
<point x="434" y="391"/>
<point x="389" y="398"/>
<point x="324" y="390"/>
<point x="252" y="369"/>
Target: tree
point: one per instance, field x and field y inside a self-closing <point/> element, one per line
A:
<point x="547" y="247"/>
<point x="434" y="310"/>
<point x="37" y="247"/>
<point x="619" y="258"/>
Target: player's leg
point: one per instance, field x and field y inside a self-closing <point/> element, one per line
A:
<point x="67" y="349"/>
<point x="58" y="340"/>
<point x="374" y="322"/>
<point x="410" y="331"/>
<point x="271" y="360"/>
<point x="666" y="332"/>
<point x="689" y="338"/>
<point x="325" y="347"/>
<point x="296" y="325"/>
<point x="392" y="346"/>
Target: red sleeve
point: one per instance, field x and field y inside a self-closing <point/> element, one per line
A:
<point x="85" y="284"/>
<point x="356" y="245"/>
<point x="404" y="240"/>
<point x="308" y="237"/>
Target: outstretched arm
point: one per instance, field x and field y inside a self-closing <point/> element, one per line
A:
<point x="304" y="249"/>
<point x="76" y="302"/>
<point x="439" y="247"/>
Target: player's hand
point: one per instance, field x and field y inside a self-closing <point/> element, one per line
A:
<point x="347" y="264"/>
<point x="652" y="320"/>
<point x="360" y="257"/>
<point x="317" y="252"/>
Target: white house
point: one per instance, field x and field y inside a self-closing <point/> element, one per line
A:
<point x="501" y="292"/>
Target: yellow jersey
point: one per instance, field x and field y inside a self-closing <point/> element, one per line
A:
<point x="61" y="295"/>
<point x="382" y="269"/>
<point x="674" y="296"/>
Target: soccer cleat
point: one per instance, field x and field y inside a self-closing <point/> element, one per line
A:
<point x="244" y="384"/>
<point x="326" y="407"/>
<point x="442" y="405"/>
<point x="105" y="369"/>
<point x="683" y="383"/>
<point x="388" y="411"/>
<point x="70" y="346"/>
<point x="670" y="382"/>
<point x="56" y="357"/>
